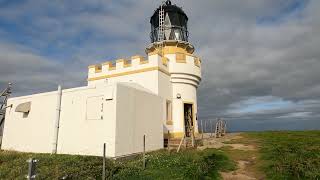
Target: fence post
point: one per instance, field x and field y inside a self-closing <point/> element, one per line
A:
<point x="201" y="129"/>
<point x="217" y="128"/>
<point x="168" y="141"/>
<point x="104" y="162"/>
<point x="144" y="151"/>
<point x="32" y="169"/>
<point x="211" y="127"/>
<point x="205" y="126"/>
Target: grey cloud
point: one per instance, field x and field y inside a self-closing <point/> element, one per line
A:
<point x="242" y="57"/>
<point x="32" y="73"/>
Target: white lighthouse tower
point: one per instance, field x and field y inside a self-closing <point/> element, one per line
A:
<point x="170" y="70"/>
<point x="169" y="37"/>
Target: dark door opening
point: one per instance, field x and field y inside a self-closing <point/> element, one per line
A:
<point x="188" y="119"/>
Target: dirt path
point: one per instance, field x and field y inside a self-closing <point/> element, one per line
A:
<point x="241" y="150"/>
<point x="239" y="174"/>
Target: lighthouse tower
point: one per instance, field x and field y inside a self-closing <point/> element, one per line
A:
<point x="170" y="70"/>
<point x="169" y="39"/>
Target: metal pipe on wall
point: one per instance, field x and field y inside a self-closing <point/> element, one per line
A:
<point x="57" y="121"/>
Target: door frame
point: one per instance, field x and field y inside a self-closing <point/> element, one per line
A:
<point x="193" y="115"/>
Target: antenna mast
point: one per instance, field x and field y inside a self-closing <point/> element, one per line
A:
<point x="4" y="95"/>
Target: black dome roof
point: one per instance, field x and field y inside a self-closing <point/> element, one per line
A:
<point x="175" y="23"/>
<point x="168" y="7"/>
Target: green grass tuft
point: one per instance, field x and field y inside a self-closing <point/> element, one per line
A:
<point x="290" y="154"/>
<point x="190" y="164"/>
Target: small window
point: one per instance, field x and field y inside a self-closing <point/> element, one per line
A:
<point x="169" y="112"/>
<point x="24" y="108"/>
<point x="25" y="114"/>
<point x="177" y="34"/>
<point x="98" y="68"/>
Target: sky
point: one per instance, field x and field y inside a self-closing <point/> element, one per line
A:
<point x="260" y="58"/>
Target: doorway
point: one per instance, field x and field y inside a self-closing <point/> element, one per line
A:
<point x="188" y="119"/>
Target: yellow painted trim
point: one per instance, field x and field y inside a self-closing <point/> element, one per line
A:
<point x="169" y="123"/>
<point x="97" y="68"/>
<point x="173" y="50"/>
<point x="137" y="57"/>
<point x="125" y="62"/>
<point x="144" y="61"/>
<point x="91" y="66"/>
<point x="171" y="47"/>
<point x="165" y="61"/>
<point x="155" y="52"/>
<point x="197" y="61"/>
<point x="181" y="58"/>
<point x="106" y="63"/>
<point x="178" y="134"/>
<point x="120" y="60"/>
<point x="127" y="65"/>
<point x="174" y="134"/>
<point x="169" y="120"/>
<point x="169" y="50"/>
<point x="130" y="72"/>
<point x="141" y="59"/>
<point x="111" y="66"/>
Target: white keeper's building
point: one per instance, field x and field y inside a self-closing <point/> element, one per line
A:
<point x="124" y="100"/>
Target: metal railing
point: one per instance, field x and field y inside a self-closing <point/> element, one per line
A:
<point x="183" y="33"/>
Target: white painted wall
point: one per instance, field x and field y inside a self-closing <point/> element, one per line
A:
<point x="139" y="113"/>
<point x="90" y="116"/>
<point x="34" y="133"/>
<point x="80" y="131"/>
<point x="185" y="79"/>
<point x="145" y="79"/>
<point x="188" y="95"/>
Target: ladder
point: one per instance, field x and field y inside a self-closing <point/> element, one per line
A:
<point x="161" y="30"/>
<point x="161" y="24"/>
<point x="4" y="95"/>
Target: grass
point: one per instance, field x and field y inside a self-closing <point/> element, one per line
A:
<point x="278" y="155"/>
<point x="289" y="154"/>
<point x="190" y="164"/>
<point x="13" y="165"/>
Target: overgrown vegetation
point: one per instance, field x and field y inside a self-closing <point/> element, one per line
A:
<point x="189" y="164"/>
<point x="290" y="155"/>
<point x="278" y="155"/>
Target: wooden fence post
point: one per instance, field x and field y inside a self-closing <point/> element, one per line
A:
<point x="104" y="162"/>
<point x="144" y="151"/>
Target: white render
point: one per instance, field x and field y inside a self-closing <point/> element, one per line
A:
<point x="172" y="78"/>
<point x="128" y="112"/>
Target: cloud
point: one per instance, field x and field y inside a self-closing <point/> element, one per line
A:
<point x="32" y="73"/>
<point x="260" y="58"/>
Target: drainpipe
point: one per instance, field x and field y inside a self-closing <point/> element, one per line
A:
<point x="56" y="123"/>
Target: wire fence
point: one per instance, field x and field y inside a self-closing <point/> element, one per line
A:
<point x="207" y="126"/>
